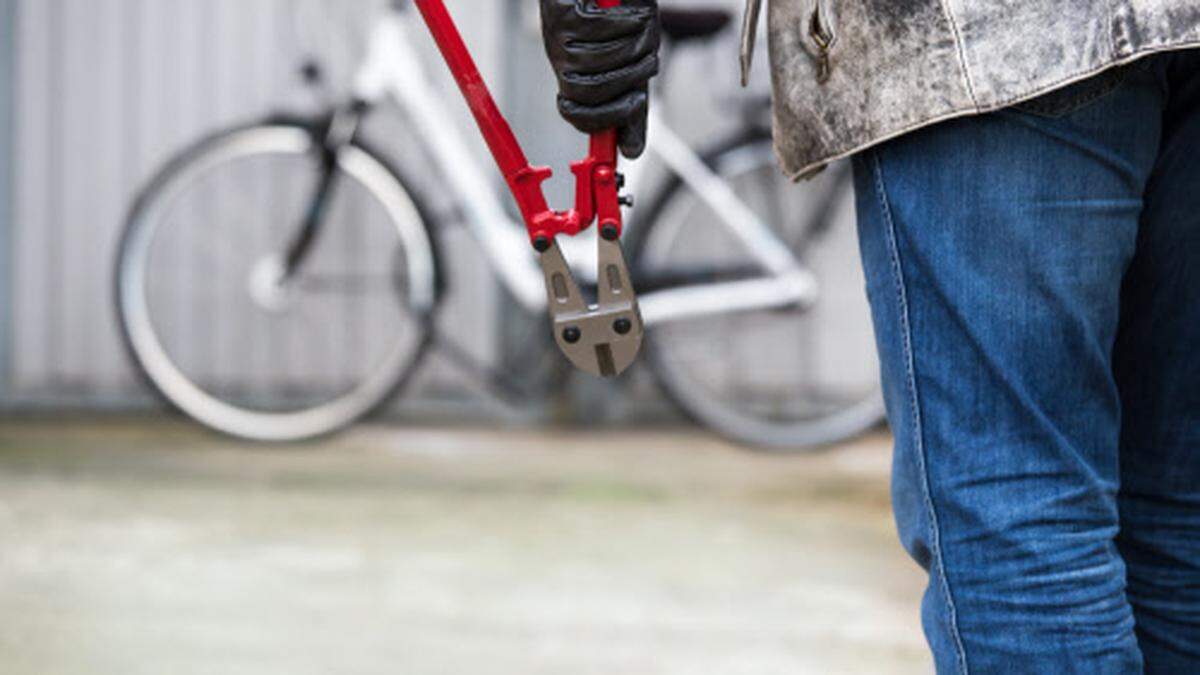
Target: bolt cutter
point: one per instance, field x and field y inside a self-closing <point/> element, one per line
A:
<point x="602" y="338"/>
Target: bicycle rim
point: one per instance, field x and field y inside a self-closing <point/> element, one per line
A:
<point x="787" y="379"/>
<point x="296" y="382"/>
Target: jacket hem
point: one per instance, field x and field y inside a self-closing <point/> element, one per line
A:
<point x="814" y="167"/>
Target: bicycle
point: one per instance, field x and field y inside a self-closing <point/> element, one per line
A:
<point x="336" y="230"/>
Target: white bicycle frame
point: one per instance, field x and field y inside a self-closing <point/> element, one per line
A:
<point x="394" y="69"/>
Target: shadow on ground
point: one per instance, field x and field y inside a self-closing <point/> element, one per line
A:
<point x="142" y="546"/>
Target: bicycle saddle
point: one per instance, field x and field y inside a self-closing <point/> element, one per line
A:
<point x="680" y="25"/>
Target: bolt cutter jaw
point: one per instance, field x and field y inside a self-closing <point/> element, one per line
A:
<point x="602" y="338"/>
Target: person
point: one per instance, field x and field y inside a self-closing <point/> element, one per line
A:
<point x="1028" y="193"/>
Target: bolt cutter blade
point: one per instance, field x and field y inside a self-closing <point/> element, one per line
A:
<point x="602" y="339"/>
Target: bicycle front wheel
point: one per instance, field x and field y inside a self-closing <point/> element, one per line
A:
<point x="786" y="379"/>
<point x="229" y="327"/>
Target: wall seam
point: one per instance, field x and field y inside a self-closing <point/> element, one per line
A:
<point x="8" y="55"/>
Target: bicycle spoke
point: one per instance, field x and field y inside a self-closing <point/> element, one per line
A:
<point x="346" y="284"/>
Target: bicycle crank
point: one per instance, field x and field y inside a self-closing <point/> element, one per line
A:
<point x="602" y="338"/>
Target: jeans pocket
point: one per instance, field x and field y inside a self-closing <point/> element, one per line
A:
<point x="1074" y="97"/>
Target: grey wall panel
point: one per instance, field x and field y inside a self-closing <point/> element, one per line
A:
<point x="32" y="242"/>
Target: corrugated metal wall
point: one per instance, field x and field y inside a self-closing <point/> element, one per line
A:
<point x="103" y="93"/>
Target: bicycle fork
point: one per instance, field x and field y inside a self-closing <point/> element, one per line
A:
<point x="602" y="338"/>
<point x="343" y="125"/>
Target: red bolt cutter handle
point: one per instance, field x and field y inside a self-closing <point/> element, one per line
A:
<point x="602" y="338"/>
<point x="596" y="189"/>
<point x="602" y="151"/>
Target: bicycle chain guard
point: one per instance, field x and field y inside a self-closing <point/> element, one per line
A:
<point x="603" y="338"/>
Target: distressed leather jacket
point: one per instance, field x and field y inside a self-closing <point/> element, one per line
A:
<point x="848" y="74"/>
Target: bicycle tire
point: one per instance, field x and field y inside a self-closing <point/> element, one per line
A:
<point x="676" y="382"/>
<point x="166" y="379"/>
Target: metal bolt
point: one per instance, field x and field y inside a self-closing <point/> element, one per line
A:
<point x="541" y="243"/>
<point x="571" y="335"/>
<point x="610" y="232"/>
<point x="620" y="181"/>
<point x="625" y="200"/>
<point x="622" y="326"/>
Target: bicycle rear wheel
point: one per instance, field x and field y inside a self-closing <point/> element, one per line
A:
<point x="224" y="334"/>
<point x="786" y="379"/>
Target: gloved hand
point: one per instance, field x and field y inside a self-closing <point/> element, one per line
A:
<point x="604" y="59"/>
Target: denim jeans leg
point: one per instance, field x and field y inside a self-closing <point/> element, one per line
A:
<point x="1157" y="363"/>
<point x="994" y="249"/>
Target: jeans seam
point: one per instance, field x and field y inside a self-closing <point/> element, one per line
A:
<point x="918" y="434"/>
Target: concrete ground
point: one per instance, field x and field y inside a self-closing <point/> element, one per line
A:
<point x="142" y="546"/>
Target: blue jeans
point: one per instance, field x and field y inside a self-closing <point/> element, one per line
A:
<point x="1034" y="276"/>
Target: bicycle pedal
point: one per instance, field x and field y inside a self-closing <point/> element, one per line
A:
<point x="602" y="338"/>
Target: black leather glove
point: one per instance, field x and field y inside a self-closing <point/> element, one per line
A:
<point x="604" y="59"/>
